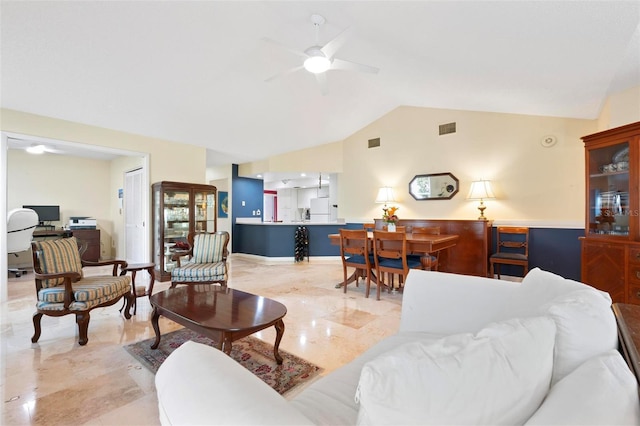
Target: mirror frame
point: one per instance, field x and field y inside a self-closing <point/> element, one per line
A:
<point x="448" y="183"/>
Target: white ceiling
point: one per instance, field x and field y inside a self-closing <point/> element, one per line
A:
<point x="194" y="72"/>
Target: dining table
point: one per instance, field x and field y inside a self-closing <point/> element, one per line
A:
<point x="416" y="243"/>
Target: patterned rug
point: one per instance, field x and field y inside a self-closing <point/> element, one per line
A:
<point x="252" y="353"/>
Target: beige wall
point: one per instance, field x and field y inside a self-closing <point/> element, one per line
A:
<point x="532" y="183"/>
<point x="220" y="177"/>
<point x="168" y="160"/>
<point x="325" y="158"/>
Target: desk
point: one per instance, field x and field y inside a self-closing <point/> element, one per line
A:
<point x="53" y="233"/>
<point x="418" y="243"/>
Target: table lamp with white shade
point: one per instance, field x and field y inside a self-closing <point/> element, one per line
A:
<point x="481" y="190"/>
<point x="385" y="195"/>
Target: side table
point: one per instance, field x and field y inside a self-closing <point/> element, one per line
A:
<point x="139" y="291"/>
<point x="628" y="318"/>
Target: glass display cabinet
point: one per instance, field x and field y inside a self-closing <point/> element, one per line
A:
<point x="611" y="245"/>
<point x="178" y="209"/>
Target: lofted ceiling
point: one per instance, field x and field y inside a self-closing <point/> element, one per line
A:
<point x="194" y="72"/>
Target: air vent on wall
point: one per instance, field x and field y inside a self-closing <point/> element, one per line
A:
<point x="445" y="129"/>
<point x="373" y="143"/>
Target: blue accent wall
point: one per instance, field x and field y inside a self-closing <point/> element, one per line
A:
<point x="251" y="192"/>
<point x="555" y="250"/>
<point x="279" y="240"/>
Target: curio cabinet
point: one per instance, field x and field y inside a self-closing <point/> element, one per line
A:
<point x="179" y="208"/>
<point x="611" y="245"/>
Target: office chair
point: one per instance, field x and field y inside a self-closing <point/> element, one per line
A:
<point x="20" y="226"/>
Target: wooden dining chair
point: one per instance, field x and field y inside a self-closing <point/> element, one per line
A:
<point x="355" y="251"/>
<point x="369" y="226"/>
<point x="428" y="261"/>
<point x="512" y="248"/>
<point x="390" y="257"/>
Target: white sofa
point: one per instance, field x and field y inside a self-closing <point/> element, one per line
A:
<point x="470" y="350"/>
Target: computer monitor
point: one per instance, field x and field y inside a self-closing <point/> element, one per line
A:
<point x="46" y="214"/>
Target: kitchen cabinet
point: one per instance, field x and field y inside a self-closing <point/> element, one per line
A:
<point x="178" y="209"/>
<point x="610" y="249"/>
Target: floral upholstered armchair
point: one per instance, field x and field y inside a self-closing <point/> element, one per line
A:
<point x="62" y="288"/>
<point x="207" y="260"/>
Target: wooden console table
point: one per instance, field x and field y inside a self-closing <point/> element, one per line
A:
<point x="470" y="256"/>
<point x="628" y="318"/>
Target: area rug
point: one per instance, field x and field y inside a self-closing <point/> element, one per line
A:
<point x="252" y="353"/>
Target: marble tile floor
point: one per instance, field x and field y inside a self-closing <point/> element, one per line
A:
<point x="58" y="382"/>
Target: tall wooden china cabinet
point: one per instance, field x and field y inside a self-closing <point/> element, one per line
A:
<point x="611" y="245"/>
<point x="179" y="208"/>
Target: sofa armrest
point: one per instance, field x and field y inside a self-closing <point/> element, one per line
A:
<point x="198" y="384"/>
<point x="444" y="303"/>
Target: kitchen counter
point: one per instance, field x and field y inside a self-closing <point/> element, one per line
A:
<point x="258" y="221"/>
<point x="277" y="239"/>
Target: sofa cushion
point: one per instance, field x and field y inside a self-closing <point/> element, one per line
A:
<point x="601" y="391"/>
<point x="88" y="292"/>
<point x="585" y="325"/>
<point x="500" y="375"/>
<point x="336" y="390"/>
<point x="543" y="286"/>
<point x="193" y="272"/>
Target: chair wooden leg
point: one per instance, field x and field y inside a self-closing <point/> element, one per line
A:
<point x="344" y="276"/>
<point x="36" y="327"/>
<point x="368" y="285"/>
<point x="82" y="318"/>
<point x="130" y="299"/>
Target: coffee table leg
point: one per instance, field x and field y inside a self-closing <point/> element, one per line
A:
<point x="279" y="333"/>
<point x="225" y="343"/>
<point x="156" y="327"/>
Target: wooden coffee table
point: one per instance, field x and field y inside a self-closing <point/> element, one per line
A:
<point x="220" y="313"/>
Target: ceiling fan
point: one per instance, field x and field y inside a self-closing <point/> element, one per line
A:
<point x="320" y="59"/>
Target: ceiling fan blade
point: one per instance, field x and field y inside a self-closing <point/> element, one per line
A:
<point x="321" y="78"/>
<point x="332" y="46"/>
<point x="285" y="47"/>
<point x="283" y="73"/>
<point x="341" y="64"/>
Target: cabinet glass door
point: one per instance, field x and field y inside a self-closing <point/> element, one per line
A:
<point x="608" y="190"/>
<point x="205" y="211"/>
<point x="176" y="223"/>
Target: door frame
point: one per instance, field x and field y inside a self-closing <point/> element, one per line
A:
<point x="4" y="136"/>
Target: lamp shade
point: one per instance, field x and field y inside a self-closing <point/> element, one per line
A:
<point x="385" y="195"/>
<point x="480" y="190"/>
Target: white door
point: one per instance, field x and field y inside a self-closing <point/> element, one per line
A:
<point x="134" y="220"/>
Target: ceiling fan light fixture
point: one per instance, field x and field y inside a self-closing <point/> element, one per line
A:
<point x="35" y="149"/>
<point x="317" y="62"/>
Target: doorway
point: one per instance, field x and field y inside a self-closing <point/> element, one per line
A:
<point x="134" y="217"/>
